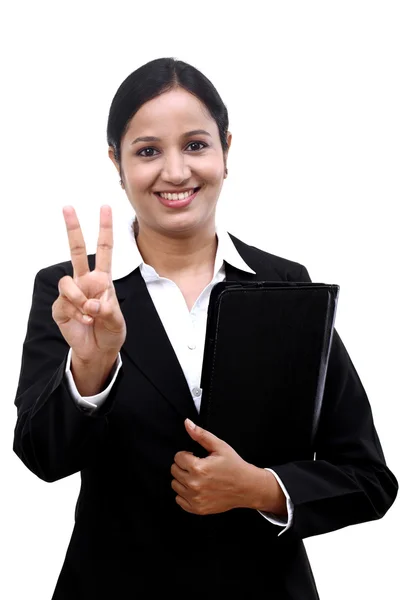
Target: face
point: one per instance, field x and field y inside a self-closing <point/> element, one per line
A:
<point x="172" y="146"/>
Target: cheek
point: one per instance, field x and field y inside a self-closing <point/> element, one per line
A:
<point x="140" y="177"/>
<point x="212" y="170"/>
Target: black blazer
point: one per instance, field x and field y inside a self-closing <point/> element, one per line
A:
<point x="131" y="539"/>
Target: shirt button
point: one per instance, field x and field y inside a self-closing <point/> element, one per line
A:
<point x="196" y="392"/>
<point x="192" y="346"/>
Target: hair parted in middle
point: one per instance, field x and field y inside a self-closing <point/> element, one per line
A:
<point x="151" y="80"/>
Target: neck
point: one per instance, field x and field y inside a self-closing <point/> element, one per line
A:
<point x="188" y="255"/>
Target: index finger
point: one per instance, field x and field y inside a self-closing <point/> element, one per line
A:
<point x="76" y="242"/>
<point x="185" y="460"/>
<point x="105" y="241"/>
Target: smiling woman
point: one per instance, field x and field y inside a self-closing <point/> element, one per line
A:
<point x="111" y="372"/>
<point x="177" y="110"/>
<point x="186" y="157"/>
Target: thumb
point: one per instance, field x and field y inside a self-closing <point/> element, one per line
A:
<point x="205" y="438"/>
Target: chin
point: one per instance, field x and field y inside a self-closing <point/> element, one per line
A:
<point x="184" y="224"/>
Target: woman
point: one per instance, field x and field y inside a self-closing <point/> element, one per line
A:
<point x="110" y="383"/>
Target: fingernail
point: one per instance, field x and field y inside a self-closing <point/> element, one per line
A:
<point x="94" y="306"/>
<point x="191" y="424"/>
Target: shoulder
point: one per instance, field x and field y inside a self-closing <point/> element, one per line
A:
<point x="260" y="261"/>
<point x="51" y="274"/>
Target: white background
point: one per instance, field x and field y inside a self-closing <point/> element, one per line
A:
<point x="312" y="90"/>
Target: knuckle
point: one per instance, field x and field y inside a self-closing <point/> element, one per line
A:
<point x="58" y="305"/>
<point x="67" y="287"/>
<point x="62" y="282"/>
<point x="54" y="310"/>
<point x="195" y="485"/>
<point x="78" y="249"/>
<point x="201" y="433"/>
<point x="65" y="278"/>
<point x="199" y="505"/>
<point x="107" y="310"/>
<point x="108" y="315"/>
<point x="104" y="246"/>
<point x="200" y="469"/>
<point x="60" y="313"/>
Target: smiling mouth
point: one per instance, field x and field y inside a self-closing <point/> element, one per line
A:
<point x="176" y="196"/>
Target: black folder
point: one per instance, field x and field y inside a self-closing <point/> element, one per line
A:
<point x="265" y="360"/>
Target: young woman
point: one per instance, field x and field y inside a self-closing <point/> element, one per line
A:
<point x="110" y="383"/>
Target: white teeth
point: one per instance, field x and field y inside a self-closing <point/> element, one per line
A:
<point x="177" y="196"/>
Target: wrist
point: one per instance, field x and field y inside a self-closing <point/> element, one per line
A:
<point x="267" y="494"/>
<point x="90" y="376"/>
<point x="95" y="361"/>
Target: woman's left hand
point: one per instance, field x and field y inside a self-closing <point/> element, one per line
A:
<point x="222" y="480"/>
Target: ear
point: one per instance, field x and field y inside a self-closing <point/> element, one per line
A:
<point x="111" y="155"/>
<point x="228" y="141"/>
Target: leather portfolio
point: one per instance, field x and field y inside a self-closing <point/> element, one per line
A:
<point x="265" y="361"/>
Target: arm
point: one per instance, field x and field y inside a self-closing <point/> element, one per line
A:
<point x="53" y="437"/>
<point x="349" y="481"/>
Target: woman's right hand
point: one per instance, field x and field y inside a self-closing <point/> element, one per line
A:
<point x="87" y="310"/>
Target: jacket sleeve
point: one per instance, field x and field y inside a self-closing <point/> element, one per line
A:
<point x="348" y="481"/>
<point x="53" y="436"/>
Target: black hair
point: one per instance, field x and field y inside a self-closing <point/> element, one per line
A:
<point x="151" y="80"/>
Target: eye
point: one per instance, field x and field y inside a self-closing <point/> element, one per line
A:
<point x="148" y="152"/>
<point x="197" y="144"/>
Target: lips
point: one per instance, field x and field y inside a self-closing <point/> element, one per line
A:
<point x="178" y="203"/>
<point x="169" y="195"/>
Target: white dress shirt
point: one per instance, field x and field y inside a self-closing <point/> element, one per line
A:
<point x="185" y="329"/>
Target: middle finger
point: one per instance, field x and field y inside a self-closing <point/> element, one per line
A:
<point x="179" y="474"/>
<point x="105" y="241"/>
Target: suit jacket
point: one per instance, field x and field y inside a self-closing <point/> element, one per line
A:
<point x="130" y="538"/>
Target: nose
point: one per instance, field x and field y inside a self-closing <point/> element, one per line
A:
<point x="175" y="169"/>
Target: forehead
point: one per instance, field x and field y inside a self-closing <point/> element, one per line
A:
<point x="171" y="113"/>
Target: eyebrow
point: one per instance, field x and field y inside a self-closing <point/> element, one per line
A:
<point x="151" y="138"/>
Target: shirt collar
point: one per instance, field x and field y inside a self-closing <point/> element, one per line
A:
<point x="126" y="256"/>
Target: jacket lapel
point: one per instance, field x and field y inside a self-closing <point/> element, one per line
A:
<point x="148" y="345"/>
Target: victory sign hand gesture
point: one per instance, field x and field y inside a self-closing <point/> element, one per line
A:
<point x="87" y="311"/>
